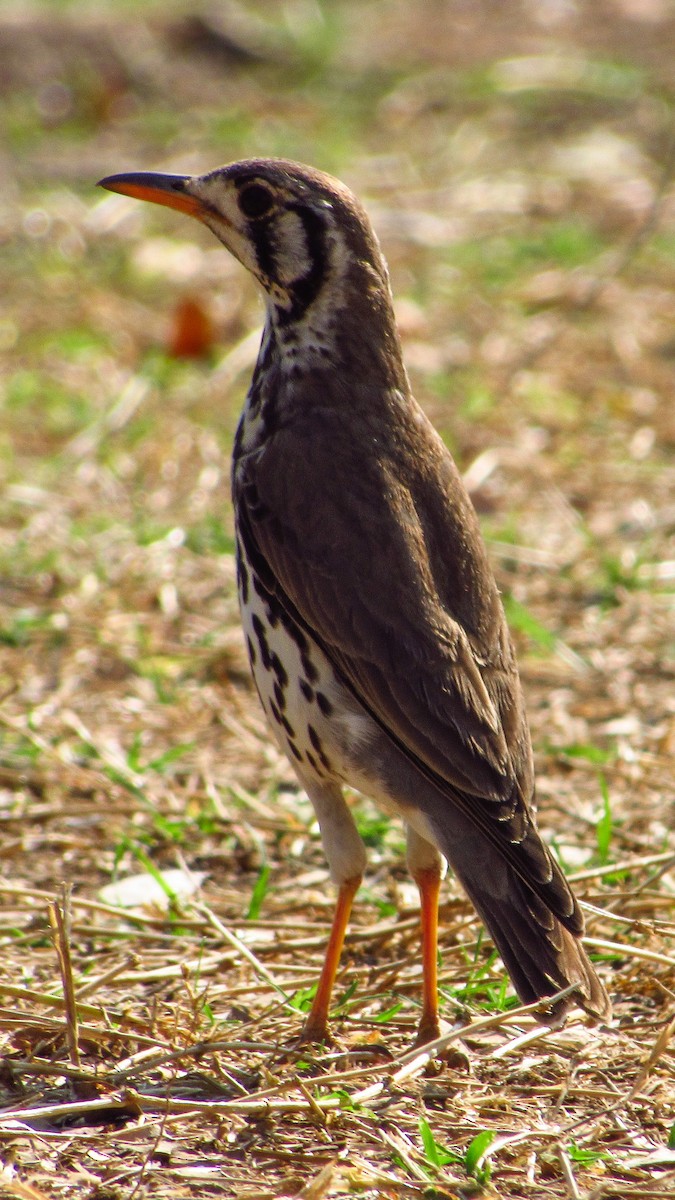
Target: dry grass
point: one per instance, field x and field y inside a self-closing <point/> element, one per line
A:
<point x="519" y="172"/>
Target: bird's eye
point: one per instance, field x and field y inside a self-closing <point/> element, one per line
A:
<point x="255" y="200"/>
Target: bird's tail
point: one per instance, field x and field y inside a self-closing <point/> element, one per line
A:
<point x="540" y="954"/>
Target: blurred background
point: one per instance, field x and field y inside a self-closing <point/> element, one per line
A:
<point x="517" y="161"/>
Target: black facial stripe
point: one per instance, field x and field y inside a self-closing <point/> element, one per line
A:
<point x="263" y="245"/>
<point x="303" y="290"/>
<point x="306" y="289"/>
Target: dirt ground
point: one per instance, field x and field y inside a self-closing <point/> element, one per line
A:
<point x="164" y="900"/>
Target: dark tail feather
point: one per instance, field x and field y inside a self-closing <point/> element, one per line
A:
<point x="540" y="955"/>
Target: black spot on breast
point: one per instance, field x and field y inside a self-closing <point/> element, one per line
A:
<point x="295" y="633"/>
<point x="287" y="725"/>
<point x="324" y="704"/>
<point x="259" y="631"/>
<point x="279" y="670"/>
<point x="275" y="712"/>
<point x="294" y="750"/>
<point x="251" y="651"/>
<point x="309" y="668"/>
<point x="273" y="613"/>
<point x="307" y="691"/>
<point x="242" y="579"/>
<point x="317" y="746"/>
<point x="280" y="697"/>
<point x="273" y="609"/>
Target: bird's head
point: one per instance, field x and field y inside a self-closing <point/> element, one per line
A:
<point x="301" y="233"/>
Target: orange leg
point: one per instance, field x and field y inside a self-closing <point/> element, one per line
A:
<point x="315" y="1028"/>
<point x="429" y="884"/>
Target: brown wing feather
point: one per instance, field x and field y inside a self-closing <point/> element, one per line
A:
<point x="375" y="548"/>
<point x="384" y="562"/>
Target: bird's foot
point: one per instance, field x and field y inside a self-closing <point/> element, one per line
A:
<point x="314" y="1033"/>
<point x="431" y="1030"/>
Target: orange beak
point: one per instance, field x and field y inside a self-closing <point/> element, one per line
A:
<point x="160" y="189"/>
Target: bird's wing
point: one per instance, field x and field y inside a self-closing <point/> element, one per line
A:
<point x="351" y="551"/>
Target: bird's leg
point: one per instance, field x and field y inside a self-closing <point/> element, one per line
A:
<point x="429" y="884"/>
<point x="347" y="859"/>
<point x="315" y="1028"/>
<point x="427" y="868"/>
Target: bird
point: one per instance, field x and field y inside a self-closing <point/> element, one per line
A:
<point x="376" y="634"/>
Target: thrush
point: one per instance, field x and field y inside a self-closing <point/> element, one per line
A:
<point x="375" y="631"/>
